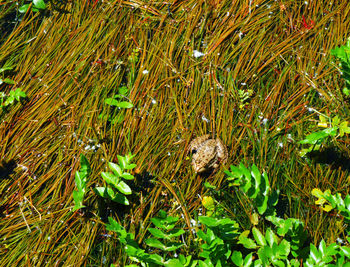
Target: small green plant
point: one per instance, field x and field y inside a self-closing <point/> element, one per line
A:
<point x="8" y="100"/>
<point x="334" y="128"/>
<point x="343" y="53"/>
<point x="117" y="101"/>
<point x="114" y="180"/>
<point x="80" y="182"/>
<point x="255" y="185"/>
<point x="37" y="5"/>
<point x="244" y="96"/>
<point x="162" y="239"/>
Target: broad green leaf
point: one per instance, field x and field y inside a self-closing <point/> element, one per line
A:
<point x="39" y="4"/>
<point x="346" y="251"/>
<point x="80" y="181"/>
<point x="176" y="232"/>
<point x="111" y="101"/>
<point x="124" y="104"/>
<point x="78" y="197"/>
<point x="24" y="8"/>
<point x="247" y="242"/>
<point x="115" y="168"/>
<point x="237" y="258"/>
<point x="122" y="161"/>
<point x="158" y="233"/>
<point x="259" y="237"/>
<point x="124" y="188"/>
<point x="314" y="254"/>
<point x="208" y="203"/>
<point x="313" y="138"/>
<point x="255" y="173"/>
<point x="152" y="242"/>
<point x="157" y="259"/>
<point x="121" y="199"/>
<point x="85" y="168"/>
<point x="270" y="237"/>
<point x="8" y="81"/>
<point x="248" y="260"/>
<point x="110" y="178"/>
<point x="130" y="166"/>
<point x="284" y="248"/>
<point x="127" y="176"/>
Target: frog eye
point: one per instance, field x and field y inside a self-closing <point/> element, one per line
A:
<point x="194" y="151"/>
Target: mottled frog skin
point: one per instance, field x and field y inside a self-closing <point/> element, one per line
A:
<point x="207" y="153"/>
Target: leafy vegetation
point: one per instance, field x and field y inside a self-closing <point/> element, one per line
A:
<point x="220" y="244"/>
<point x="114" y="180"/>
<point x="260" y="75"/>
<point x="36" y="5"/>
<point x="80" y="182"/>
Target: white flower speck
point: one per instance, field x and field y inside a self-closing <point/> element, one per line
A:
<point x="197" y="54"/>
<point x="145" y="72"/>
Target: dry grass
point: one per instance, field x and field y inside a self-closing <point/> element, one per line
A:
<point x="69" y="62"/>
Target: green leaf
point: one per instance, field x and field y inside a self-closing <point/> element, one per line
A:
<point x="248" y="260"/>
<point x="152" y="242"/>
<point x="24" y="8"/>
<point x="130" y="166"/>
<point x="80" y="182"/>
<point x="124" y="188"/>
<point x="115" y="168"/>
<point x="9" y="81"/>
<point x="247" y="242"/>
<point x="85" y="168"/>
<point x="111" y="101"/>
<point x="123" y="90"/>
<point x="270" y="237"/>
<point x="158" y="233"/>
<point x="284" y="248"/>
<point x="110" y="178"/>
<point x="237" y="258"/>
<point x="124" y="104"/>
<point x="78" y="197"/>
<point x="122" y="161"/>
<point x="39" y="4"/>
<point x="107" y="192"/>
<point x="127" y="176"/>
<point x="316" y="137"/>
<point x="259" y="237"/>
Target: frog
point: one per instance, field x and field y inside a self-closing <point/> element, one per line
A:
<point x="207" y="153"/>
